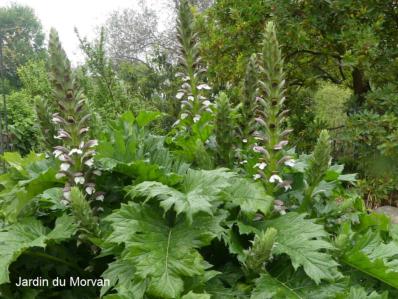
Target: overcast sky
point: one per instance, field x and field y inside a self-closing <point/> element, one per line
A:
<point x="86" y="15"/>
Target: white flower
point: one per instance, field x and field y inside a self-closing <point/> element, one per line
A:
<point x="81" y="145"/>
<point x="184" y="115"/>
<point x="89" y="162"/>
<point x="62" y="158"/>
<point x="57" y="153"/>
<point x="196" y="118"/>
<point x="62" y="134"/>
<point x="90" y="190"/>
<point x="261" y="165"/>
<point x="244" y="140"/>
<point x="290" y="162"/>
<point x="179" y="95"/>
<point x="97" y="172"/>
<point x="64" y="202"/>
<point x="186" y="78"/>
<point x="204" y="86"/>
<point x="259" y="149"/>
<point x="275" y="178"/>
<point x="282" y="212"/>
<point x="75" y="151"/>
<point x="287" y="187"/>
<point x="65" y="166"/>
<point x="91" y="143"/>
<point x="59" y="175"/>
<point x="280" y="145"/>
<point x="79" y="180"/>
<point x="190" y="98"/>
<point x="100" y="197"/>
<point x="57" y="120"/>
<point x="67" y="195"/>
<point x="256" y="176"/>
<point x="206" y="103"/>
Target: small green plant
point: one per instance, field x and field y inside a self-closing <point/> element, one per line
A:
<point x="318" y="164"/>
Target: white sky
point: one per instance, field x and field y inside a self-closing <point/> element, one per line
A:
<point x="86" y="15"/>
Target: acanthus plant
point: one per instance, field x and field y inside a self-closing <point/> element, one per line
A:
<point x="271" y="133"/>
<point x="194" y="125"/>
<point x="248" y="103"/>
<point x="225" y="122"/>
<point x="44" y="112"/>
<point x="76" y="151"/>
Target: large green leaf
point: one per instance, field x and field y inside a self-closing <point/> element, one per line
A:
<point x="28" y="233"/>
<point x="26" y="178"/>
<point x="121" y="274"/>
<point x="161" y="253"/>
<point x="128" y="149"/>
<point x="192" y="295"/>
<point x="146" y="117"/>
<point x="357" y="292"/>
<point x="268" y="287"/>
<point x="305" y="243"/>
<point x="372" y="256"/>
<point x="251" y="197"/>
<point x="197" y="192"/>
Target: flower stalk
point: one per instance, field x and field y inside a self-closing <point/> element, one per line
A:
<point x="271" y="134"/>
<point x="75" y="151"/>
<point x="193" y="93"/>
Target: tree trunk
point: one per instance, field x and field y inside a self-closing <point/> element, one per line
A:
<point x="361" y="87"/>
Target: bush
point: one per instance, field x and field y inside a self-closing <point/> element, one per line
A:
<point x="330" y="104"/>
<point x="22" y="122"/>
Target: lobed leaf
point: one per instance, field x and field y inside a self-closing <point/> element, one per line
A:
<point x="17" y="238"/>
<point x="304" y="242"/>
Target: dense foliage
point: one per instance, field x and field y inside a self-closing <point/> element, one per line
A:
<point x="209" y="174"/>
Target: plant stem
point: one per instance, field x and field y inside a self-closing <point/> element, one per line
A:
<point x="56" y="259"/>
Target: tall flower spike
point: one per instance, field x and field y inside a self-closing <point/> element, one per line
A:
<point x="193" y="91"/>
<point x="272" y="135"/>
<point x="319" y="163"/>
<point x="83" y="214"/>
<point x="71" y="120"/>
<point x="261" y="250"/>
<point x="248" y="104"/>
<point x="225" y="119"/>
<point x="47" y="127"/>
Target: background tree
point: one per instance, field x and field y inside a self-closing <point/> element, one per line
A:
<point x="132" y="34"/>
<point x="21" y="39"/>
